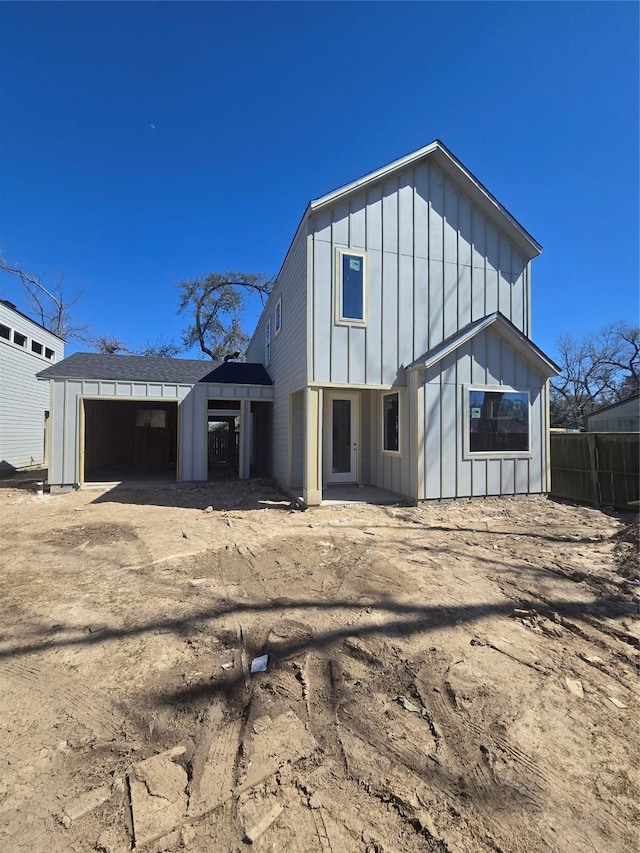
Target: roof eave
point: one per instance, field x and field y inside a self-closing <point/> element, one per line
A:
<point x="449" y="164"/>
<point x="527" y="350"/>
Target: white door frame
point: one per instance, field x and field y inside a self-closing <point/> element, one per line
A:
<point x="350" y="476"/>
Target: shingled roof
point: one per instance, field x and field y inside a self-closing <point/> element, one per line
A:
<point x="139" y="368"/>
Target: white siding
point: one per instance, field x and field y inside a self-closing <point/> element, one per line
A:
<point x="434" y="264"/>
<point x="23" y="398"/>
<point x="288" y="364"/>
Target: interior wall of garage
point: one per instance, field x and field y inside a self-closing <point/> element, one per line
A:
<point x="115" y="437"/>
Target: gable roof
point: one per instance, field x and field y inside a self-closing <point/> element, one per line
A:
<point x="615" y="405"/>
<point x="451" y="166"/>
<point x="140" y="368"/>
<point x="505" y="329"/>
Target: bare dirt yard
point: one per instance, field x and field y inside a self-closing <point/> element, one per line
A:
<point x="451" y="677"/>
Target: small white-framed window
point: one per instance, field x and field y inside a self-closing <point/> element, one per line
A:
<point x="391" y="422"/>
<point x="5" y="332"/>
<point x="49" y="353"/>
<point x="277" y="316"/>
<point x="19" y="339"/>
<point x="350" y="287"/>
<point x="36" y="347"/>
<point x="497" y="421"/>
<point x="267" y="343"/>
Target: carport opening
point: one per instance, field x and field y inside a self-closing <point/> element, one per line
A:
<point x="132" y="440"/>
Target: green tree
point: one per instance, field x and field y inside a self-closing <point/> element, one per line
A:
<point x="216" y="302"/>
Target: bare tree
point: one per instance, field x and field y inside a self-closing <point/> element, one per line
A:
<point x="51" y="306"/>
<point x="596" y="370"/>
<point x="216" y="302"/>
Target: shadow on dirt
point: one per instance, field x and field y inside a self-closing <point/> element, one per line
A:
<point x="229" y="495"/>
<point x="409" y="619"/>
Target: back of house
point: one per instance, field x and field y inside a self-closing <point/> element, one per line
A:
<point x="397" y="339"/>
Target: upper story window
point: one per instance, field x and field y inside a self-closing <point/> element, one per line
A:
<point x="277" y="317"/>
<point x="36" y="347"/>
<point x="498" y="421"/>
<point x="5" y="332"/>
<point x="267" y="343"/>
<point x="350" y="287"/>
<point x="19" y="339"/>
<point x="48" y="353"/>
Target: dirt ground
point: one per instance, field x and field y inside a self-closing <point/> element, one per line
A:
<point x="451" y="677"/>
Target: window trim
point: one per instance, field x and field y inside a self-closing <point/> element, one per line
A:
<point x="267" y="343"/>
<point x="339" y="319"/>
<point x="466" y="414"/>
<point x="396" y="392"/>
<point x="277" y="314"/>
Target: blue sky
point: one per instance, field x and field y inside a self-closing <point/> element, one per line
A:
<point x="142" y="144"/>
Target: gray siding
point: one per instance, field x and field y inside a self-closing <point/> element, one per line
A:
<point x="443" y="472"/>
<point x="23" y="398"/>
<point x="67" y="395"/>
<point x="288" y="364"/>
<point x="434" y="264"/>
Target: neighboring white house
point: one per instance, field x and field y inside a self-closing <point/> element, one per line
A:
<point x="25" y="349"/>
<point x="623" y="416"/>
<point x="395" y="351"/>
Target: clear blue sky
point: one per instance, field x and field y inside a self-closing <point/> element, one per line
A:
<point x="142" y="144"/>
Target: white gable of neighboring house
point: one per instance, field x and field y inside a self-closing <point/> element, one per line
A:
<point x="26" y="348"/>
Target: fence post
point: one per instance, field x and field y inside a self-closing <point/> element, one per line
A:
<point x="593" y="467"/>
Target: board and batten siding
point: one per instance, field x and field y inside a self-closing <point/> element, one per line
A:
<point x="434" y="263"/>
<point x="67" y="396"/>
<point x="288" y="363"/>
<point x="23" y="398"/>
<point x="443" y="472"/>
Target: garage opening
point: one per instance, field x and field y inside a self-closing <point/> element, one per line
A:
<point x="132" y="440"/>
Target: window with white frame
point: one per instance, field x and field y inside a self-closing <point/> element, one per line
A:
<point x="267" y="343"/>
<point x="391" y="422"/>
<point x="350" y="289"/>
<point x="277" y="317"/>
<point x="498" y="421"/>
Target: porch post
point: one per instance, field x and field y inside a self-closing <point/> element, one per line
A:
<point x="312" y="468"/>
<point x="244" y="462"/>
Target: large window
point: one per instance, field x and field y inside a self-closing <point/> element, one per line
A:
<point x="391" y="423"/>
<point x="498" y="421"/>
<point x="351" y="287"/>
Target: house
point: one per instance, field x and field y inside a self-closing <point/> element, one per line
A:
<point x="394" y="351"/>
<point x="398" y="340"/>
<point x="623" y="416"/>
<point x="25" y="348"/>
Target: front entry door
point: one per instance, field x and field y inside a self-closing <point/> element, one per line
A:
<point x="341" y="438"/>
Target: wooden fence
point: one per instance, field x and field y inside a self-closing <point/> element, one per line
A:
<point x="602" y="469"/>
